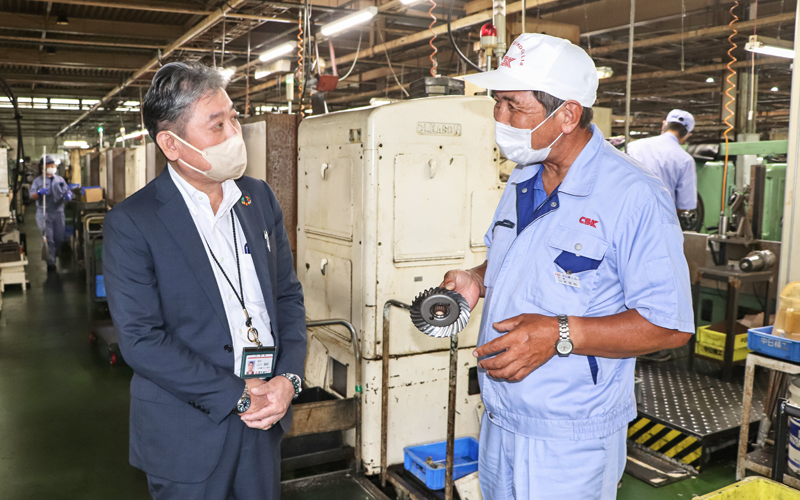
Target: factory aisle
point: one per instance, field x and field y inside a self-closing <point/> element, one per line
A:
<point x="63" y="408"/>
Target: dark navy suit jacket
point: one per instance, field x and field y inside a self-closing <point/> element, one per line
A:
<point x="167" y="308"/>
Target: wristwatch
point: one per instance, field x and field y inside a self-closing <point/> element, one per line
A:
<point x="296" y="383"/>
<point x="244" y="402"/>
<point x="564" y="344"/>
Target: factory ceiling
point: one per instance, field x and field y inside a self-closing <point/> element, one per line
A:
<point x="78" y="64"/>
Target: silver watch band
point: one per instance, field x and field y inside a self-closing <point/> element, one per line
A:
<point x="563" y="327"/>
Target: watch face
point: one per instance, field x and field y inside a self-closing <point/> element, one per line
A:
<point x="564" y="347"/>
<point x="243" y="405"/>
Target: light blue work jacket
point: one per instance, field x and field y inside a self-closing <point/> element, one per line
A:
<point x="607" y="241"/>
<point x="664" y="156"/>
<point x="57" y="194"/>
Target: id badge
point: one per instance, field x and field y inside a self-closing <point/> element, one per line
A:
<point x="257" y="362"/>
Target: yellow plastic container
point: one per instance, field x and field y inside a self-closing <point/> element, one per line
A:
<point x="787" y="321"/>
<point x="715" y="339"/>
<point x="754" y="488"/>
<point x="719" y="353"/>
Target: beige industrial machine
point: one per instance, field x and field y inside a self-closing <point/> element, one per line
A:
<point x="389" y="199"/>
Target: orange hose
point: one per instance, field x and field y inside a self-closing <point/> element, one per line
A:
<point x="300" y="58"/>
<point x="730" y="100"/>
<point x="435" y="50"/>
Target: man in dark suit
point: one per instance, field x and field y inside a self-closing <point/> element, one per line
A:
<point x="199" y="275"/>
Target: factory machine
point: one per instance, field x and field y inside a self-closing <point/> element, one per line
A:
<point x="389" y="199"/>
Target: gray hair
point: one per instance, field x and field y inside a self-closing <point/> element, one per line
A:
<point x="550" y="104"/>
<point x="175" y="89"/>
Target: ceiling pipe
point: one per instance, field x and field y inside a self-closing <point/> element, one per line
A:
<point x="198" y="29"/>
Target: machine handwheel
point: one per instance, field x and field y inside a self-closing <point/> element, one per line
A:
<point x="92" y="338"/>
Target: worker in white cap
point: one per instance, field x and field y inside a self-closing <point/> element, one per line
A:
<point x="664" y="156"/>
<point x="584" y="272"/>
<point x="51" y="221"/>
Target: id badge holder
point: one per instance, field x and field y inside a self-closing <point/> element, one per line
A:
<point x="257" y="362"/>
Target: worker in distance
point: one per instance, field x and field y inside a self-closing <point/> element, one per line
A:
<point x="665" y="157"/>
<point x="201" y="287"/>
<point x="52" y="190"/>
<point x="584" y="272"/>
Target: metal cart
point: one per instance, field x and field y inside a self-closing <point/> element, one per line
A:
<point x="80" y="212"/>
<point x="100" y="325"/>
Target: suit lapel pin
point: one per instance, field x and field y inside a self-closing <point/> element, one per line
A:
<point x="246" y="201"/>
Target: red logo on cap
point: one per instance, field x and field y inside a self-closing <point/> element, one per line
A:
<point x="507" y="61"/>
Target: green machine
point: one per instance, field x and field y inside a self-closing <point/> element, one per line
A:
<point x="709" y="180"/>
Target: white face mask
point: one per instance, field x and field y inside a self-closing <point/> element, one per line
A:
<point x="228" y="159"/>
<point x="515" y="143"/>
<point x="51" y="170"/>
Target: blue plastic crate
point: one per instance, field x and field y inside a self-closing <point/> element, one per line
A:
<point x="99" y="286"/>
<point x="762" y="341"/>
<point x="465" y="452"/>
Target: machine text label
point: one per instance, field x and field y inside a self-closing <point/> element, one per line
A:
<point x="448" y="129"/>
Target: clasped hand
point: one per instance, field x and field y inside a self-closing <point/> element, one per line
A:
<point x="529" y="343"/>
<point x="269" y="402"/>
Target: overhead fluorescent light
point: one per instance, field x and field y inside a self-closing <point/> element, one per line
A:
<point x="770" y="46"/>
<point x="346" y="22"/>
<point x="132" y="135"/>
<point x="710" y="79"/>
<point x="408" y="2"/>
<point x="280" y="50"/>
<point x="279" y="66"/>
<point x="75" y="144"/>
<point x="227" y="72"/>
<point x="604" y="72"/>
<point x="774" y="89"/>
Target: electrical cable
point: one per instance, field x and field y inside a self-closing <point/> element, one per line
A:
<point x="434" y="64"/>
<point x="730" y="100"/>
<point x="358" y="49"/>
<point x="453" y="41"/>
<point x="396" y="80"/>
<point x="17" y="171"/>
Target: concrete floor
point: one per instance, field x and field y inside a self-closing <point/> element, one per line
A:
<point x="64" y="409"/>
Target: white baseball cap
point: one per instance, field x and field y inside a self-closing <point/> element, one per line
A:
<point x="546" y="64"/>
<point x="683" y="117"/>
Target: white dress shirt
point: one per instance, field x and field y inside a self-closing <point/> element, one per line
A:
<point x="217" y="233"/>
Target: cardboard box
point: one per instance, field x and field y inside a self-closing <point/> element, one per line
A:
<point x="92" y="194"/>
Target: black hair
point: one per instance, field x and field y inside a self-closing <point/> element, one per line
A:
<point x="550" y="104"/>
<point x="676" y="127"/>
<point x="175" y="89"/>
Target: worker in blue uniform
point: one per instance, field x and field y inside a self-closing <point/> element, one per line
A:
<point x="665" y="157"/>
<point x="51" y="220"/>
<point x="584" y="272"/>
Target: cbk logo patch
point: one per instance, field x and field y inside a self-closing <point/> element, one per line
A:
<point x="589" y="222"/>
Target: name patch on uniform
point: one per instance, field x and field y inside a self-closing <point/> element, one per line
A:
<point x="568" y="279"/>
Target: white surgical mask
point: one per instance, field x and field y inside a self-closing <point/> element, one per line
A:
<point x="515" y="143"/>
<point x="228" y="159"/>
<point x="51" y="170"/>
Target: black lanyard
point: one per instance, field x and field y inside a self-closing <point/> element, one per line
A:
<point x="252" y="333"/>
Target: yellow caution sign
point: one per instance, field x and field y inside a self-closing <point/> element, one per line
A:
<point x="668" y="442"/>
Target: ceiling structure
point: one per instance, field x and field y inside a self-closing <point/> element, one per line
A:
<point x="80" y="64"/>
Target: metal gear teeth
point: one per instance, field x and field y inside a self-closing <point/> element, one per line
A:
<point x="440" y="331"/>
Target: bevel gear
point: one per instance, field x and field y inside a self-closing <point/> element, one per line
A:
<point x="439" y="312"/>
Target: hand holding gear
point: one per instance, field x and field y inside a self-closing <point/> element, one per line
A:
<point x="440" y="313"/>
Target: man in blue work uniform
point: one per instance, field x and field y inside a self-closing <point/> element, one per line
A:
<point x="50" y="220"/>
<point x="584" y="272"/>
<point x="664" y="156"/>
